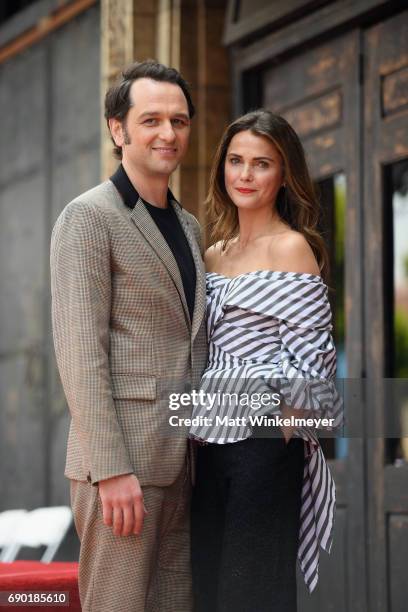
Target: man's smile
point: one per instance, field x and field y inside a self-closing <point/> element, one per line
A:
<point x="165" y="150"/>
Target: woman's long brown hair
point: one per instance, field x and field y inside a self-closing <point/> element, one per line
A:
<point x="297" y="203"/>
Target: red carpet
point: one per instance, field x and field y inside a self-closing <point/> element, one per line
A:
<point x="36" y="576"/>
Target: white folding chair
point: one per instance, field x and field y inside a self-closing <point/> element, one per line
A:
<point x="40" y="527"/>
<point x="9" y="520"/>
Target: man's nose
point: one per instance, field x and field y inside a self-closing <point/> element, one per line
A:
<point x="167" y="131"/>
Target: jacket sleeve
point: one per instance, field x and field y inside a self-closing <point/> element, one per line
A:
<point x="81" y="299"/>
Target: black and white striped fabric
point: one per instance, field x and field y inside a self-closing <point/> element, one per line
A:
<point x="270" y="332"/>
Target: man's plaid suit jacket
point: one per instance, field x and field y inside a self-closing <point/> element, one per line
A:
<point x="123" y="336"/>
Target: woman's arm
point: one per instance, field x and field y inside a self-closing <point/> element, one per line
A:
<point x="292" y="253"/>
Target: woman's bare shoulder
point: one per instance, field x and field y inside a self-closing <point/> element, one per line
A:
<point x="291" y="252"/>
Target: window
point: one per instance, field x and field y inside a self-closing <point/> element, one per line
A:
<point x="333" y="201"/>
<point x="396" y="302"/>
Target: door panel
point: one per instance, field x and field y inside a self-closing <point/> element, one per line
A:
<point x="318" y="92"/>
<point x="386" y="304"/>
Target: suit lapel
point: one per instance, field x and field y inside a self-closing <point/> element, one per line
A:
<point x="150" y="231"/>
<point x="199" y="303"/>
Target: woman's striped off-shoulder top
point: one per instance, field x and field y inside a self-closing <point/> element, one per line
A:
<point x="270" y="334"/>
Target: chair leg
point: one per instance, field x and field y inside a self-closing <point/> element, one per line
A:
<point x="10" y="553"/>
<point x="50" y="552"/>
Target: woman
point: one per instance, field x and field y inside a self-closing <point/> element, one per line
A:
<point x="260" y="502"/>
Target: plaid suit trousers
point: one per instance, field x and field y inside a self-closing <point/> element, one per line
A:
<point x="145" y="573"/>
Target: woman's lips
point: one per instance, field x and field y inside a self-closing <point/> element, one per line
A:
<point x="244" y="190"/>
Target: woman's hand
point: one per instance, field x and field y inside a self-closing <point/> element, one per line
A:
<point x="288" y="430"/>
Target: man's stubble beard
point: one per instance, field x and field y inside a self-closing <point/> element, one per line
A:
<point x="126" y="137"/>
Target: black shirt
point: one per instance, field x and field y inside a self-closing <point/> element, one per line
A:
<point x="167" y="222"/>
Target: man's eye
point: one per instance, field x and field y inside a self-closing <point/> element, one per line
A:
<point x="179" y="122"/>
<point x="150" y="121"/>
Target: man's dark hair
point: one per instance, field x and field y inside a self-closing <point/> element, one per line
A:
<point x="117" y="99"/>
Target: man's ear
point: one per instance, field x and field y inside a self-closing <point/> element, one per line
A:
<point x="116" y="130"/>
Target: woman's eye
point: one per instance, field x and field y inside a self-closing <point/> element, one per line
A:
<point x="263" y="164"/>
<point x="234" y="161"/>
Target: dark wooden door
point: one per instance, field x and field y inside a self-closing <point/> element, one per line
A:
<point x="319" y="92"/>
<point x="386" y="308"/>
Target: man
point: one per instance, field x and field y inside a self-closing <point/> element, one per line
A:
<point x="128" y="301"/>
